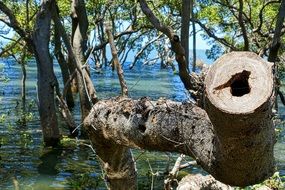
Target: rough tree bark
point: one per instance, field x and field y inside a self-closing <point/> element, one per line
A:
<point x="46" y="77"/>
<point x="275" y="46"/>
<point x="139" y="124"/>
<point x="235" y="146"/>
<point x="200" y="182"/>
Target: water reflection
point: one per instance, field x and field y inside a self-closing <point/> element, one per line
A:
<point x="49" y="161"/>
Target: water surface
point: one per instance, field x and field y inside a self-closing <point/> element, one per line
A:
<point x="75" y="166"/>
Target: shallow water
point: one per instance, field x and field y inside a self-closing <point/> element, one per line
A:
<point x="26" y="162"/>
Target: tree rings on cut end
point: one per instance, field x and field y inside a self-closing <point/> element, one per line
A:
<point x="239" y="82"/>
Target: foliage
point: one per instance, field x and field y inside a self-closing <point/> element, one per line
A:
<point x="67" y="142"/>
<point x="221" y="18"/>
<point x="24" y="118"/>
<point x="3" y="118"/>
<point x="274" y="182"/>
<point x="84" y="181"/>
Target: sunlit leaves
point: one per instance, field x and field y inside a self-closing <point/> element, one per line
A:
<point x="222" y="18"/>
<point x="64" y="7"/>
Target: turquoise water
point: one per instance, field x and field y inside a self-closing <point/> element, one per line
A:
<point x="74" y="166"/>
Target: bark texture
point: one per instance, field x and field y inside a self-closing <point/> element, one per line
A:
<point x="235" y="146"/>
<point x="46" y="78"/>
<point x="117" y="161"/>
<point x="198" y="182"/>
<point x="161" y="125"/>
<point x="239" y="94"/>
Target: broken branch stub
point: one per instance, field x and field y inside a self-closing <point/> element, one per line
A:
<point x="239" y="93"/>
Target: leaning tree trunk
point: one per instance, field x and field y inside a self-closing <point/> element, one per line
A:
<point x="63" y="64"/>
<point x="235" y="145"/>
<point x="79" y="44"/>
<point x="46" y="77"/>
<point x="239" y="94"/>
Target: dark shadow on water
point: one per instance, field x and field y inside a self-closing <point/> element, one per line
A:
<point x="49" y="161"/>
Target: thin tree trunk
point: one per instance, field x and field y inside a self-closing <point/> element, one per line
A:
<point x="120" y="72"/>
<point x="191" y="81"/>
<point x="185" y="24"/>
<point x="87" y="91"/>
<point x="79" y="29"/>
<point x="24" y="77"/>
<point x="242" y="26"/>
<point x="275" y="45"/>
<point x="102" y="40"/>
<point x="194" y="36"/>
<point x="63" y="66"/>
<point x="79" y="44"/>
<point x="23" y="81"/>
<point x="46" y="77"/>
<point x="273" y="51"/>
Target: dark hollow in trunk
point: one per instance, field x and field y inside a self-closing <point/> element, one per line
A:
<point x="239" y="85"/>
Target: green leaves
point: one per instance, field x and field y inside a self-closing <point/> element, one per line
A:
<point x="225" y="19"/>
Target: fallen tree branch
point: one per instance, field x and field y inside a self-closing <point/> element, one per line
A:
<point x="173" y="173"/>
<point x="235" y="147"/>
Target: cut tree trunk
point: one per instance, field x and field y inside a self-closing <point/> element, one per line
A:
<point x="234" y="144"/>
<point x="239" y="94"/>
